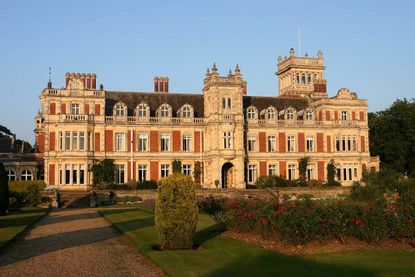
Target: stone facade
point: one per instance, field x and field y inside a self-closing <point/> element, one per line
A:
<point x="233" y="137"/>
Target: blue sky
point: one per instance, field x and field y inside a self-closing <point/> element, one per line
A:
<point x="368" y="46"/>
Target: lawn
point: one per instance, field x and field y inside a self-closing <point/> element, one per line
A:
<point x="221" y="256"/>
<point x="15" y="222"/>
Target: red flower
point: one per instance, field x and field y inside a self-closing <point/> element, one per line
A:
<point x="281" y="210"/>
<point x="251" y="215"/>
<point x="358" y="222"/>
<point x="291" y="205"/>
<point x="244" y="215"/>
<point x="264" y="220"/>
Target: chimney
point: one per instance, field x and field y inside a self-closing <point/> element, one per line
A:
<point x="94" y="81"/>
<point x="244" y="88"/>
<point x="156" y="84"/>
<point x="166" y="84"/>
<point x="88" y="81"/>
<point x="83" y="79"/>
<point x="67" y="77"/>
<point x="161" y="84"/>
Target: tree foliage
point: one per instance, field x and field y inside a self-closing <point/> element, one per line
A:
<point x="302" y="167"/>
<point x="177" y="166"/>
<point x="331" y="174"/>
<point x="197" y="173"/>
<point x="176" y="212"/>
<point x="4" y="190"/>
<point x="392" y="136"/>
<point x="104" y="172"/>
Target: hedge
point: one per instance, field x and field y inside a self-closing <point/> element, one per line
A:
<point x="22" y="186"/>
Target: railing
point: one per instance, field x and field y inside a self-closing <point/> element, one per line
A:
<point x="300" y="123"/>
<point x="155" y="120"/>
<point x="76" y="118"/>
<point x="68" y="92"/>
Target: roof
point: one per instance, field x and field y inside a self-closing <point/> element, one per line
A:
<point x="154" y="100"/>
<point x="177" y="100"/>
<point x="278" y="102"/>
<point x="5" y="145"/>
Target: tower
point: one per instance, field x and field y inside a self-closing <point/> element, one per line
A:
<point x="301" y="76"/>
<point x="223" y="108"/>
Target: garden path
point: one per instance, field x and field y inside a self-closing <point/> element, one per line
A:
<point x="74" y="242"/>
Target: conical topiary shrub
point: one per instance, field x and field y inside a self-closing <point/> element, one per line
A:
<point x="176" y="212"/>
<point x="4" y="190"/>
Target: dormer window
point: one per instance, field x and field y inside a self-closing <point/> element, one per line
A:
<point x="308" y="115"/>
<point x="344" y="115"/>
<point x="251" y="114"/>
<point x="75" y="108"/>
<point x="270" y="114"/>
<point x="120" y="109"/>
<point x="164" y="111"/>
<point x="290" y="115"/>
<point x="142" y="110"/>
<point x="187" y="111"/>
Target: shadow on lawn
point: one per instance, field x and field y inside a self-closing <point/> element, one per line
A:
<point x="275" y="264"/>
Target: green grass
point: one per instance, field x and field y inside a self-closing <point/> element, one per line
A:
<point x="221" y="256"/>
<point x="14" y="223"/>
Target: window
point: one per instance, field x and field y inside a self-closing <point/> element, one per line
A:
<point x="67" y="140"/>
<point x="75" y="108"/>
<point x="344" y="115"/>
<point x="297" y="79"/>
<point x="11" y="174"/>
<point x="165" y="170"/>
<point x="271" y="114"/>
<point x="142" y="172"/>
<point x="309" y="78"/>
<point x="142" y="142"/>
<point x="251" y="173"/>
<point x="90" y="141"/>
<point x="291" y="171"/>
<point x="164" y="111"/>
<point x="271" y="144"/>
<point x="349" y="144"/>
<point x="337" y="144"/>
<point x="223" y="103"/>
<point x="227" y="140"/>
<point x="251" y="113"/>
<point x="119" y="142"/>
<point x="81" y="140"/>
<point x="229" y="103"/>
<point x="186" y="111"/>
<point x="343" y="143"/>
<point x="74" y="140"/>
<point x="310" y="144"/>
<point x="82" y="175"/>
<point x="310" y="172"/>
<point x="186" y="143"/>
<point x="26" y="175"/>
<point x="303" y="79"/>
<point x="74" y="174"/>
<point x="60" y="174"/>
<point x="67" y="174"/>
<point x="119" y="110"/>
<point x="61" y="141"/>
<point x="187" y="169"/>
<point x="291" y="144"/>
<point x="272" y="170"/>
<point x="119" y="174"/>
<point x="165" y="143"/>
<point x="316" y="76"/>
<point x="251" y="143"/>
<point x="142" y="110"/>
<point x="354" y="144"/>
<point x="308" y="115"/>
<point x="290" y="114"/>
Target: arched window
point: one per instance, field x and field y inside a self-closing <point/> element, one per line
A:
<point x="187" y="111"/>
<point x="251" y="114"/>
<point x="309" y="78"/>
<point x="223" y="103"/>
<point x="142" y="110"/>
<point x="164" y="111"/>
<point x="270" y="114"/>
<point x="229" y="103"/>
<point x="119" y="110"/>
<point x="290" y="114"/>
<point x="303" y="79"/>
<point x="308" y="115"/>
<point x="315" y="76"/>
<point x="297" y="79"/>
<point x="11" y="174"/>
<point x="26" y="175"/>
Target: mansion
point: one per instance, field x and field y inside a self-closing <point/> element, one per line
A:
<point x="227" y="134"/>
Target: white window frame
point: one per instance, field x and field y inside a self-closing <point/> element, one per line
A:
<point x="187" y="169"/>
<point x="164" y="142"/>
<point x="26" y="175"/>
<point x="252" y="173"/>
<point x="142" y="142"/>
<point x="272" y="170"/>
<point x="75" y="109"/>
<point x="142" y="110"/>
<point x="11" y="175"/>
<point x="187" y="112"/>
<point x="251" y="114"/>
<point x="310" y="144"/>
<point x="186" y="141"/>
<point x="291" y="172"/>
<point x="120" y="173"/>
<point x="119" y="110"/>
<point x="344" y="115"/>
<point x="271" y="143"/>
<point x="227" y="140"/>
<point x="164" y="170"/>
<point x="119" y="142"/>
<point x="251" y="143"/>
<point x="290" y="143"/>
<point x="164" y="111"/>
<point x="142" y="172"/>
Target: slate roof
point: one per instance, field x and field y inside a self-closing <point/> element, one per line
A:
<point x="154" y="100"/>
<point x="177" y="100"/>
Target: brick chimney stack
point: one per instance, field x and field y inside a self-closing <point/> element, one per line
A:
<point x="88" y="81"/>
<point x="83" y="79"/>
<point x="161" y="84"/>
<point x="244" y="88"/>
<point x="94" y="81"/>
<point x="67" y="77"/>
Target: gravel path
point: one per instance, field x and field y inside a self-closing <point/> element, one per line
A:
<point x="74" y="242"/>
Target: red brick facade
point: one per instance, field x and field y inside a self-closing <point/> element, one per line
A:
<point x="51" y="174"/>
<point x="283" y="169"/>
<point x="52" y="108"/>
<point x="262" y="142"/>
<point x="52" y="141"/>
<point x="363" y="144"/>
<point x="262" y="168"/>
<point x="197" y="137"/>
<point x="86" y="108"/>
<point x="320" y="142"/>
<point x="97" y="145"/>
<point x="40" y="141"/>
<point x="154" y="141"/>
<point x="301" y="142"/>
<point x="176" y="141"/>
<point x="320" y="170"/>
<point x="281" y="142"/>
<point x="154" y="170"/>
<point x="327" y="115"/>
<point x="63" y="108"/>
<point x="328" y="144"/>
<point x="97" y="109"/>
<point x="109" y="147"/>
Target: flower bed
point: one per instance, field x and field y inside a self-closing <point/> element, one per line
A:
<point x="300" y="222"/>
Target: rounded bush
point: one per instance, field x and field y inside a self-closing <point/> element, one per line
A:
<point x="176" y="212"/>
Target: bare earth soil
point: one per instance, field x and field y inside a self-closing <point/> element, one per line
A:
<point x="74" y="242"/>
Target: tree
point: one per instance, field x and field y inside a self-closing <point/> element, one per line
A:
<point x="104" y="172"/>
<point x="197" y="172"/>
<point x="4" y="191"/>
<point x="392" y="136"/>
<point x="302" y="167"/>
<point x="176" y="212"/>
<point x="177" y="166"/>
<point x="331" y="174"/>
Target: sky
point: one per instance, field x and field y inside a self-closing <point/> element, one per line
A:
<point x="368" y="46"/>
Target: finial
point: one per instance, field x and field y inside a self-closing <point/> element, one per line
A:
<point x="292" y="52"/>
<point x="237" y="70"/>
<point x="320" y="54"/>
<point x="306" y="54"/>
<point x="214" y="69"/>
<point x="230" y="73"/>
<point x="50" y="78"/>
<point x="279" y="59"/>
<point x="208" y="72"/>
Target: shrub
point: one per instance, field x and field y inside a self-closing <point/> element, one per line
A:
<point x="22" y="186"/>
<point x="131" y="184"/>
<point x="104" y="172"/>
<point x="177" y="166"/>
<point x="214" y="207"/>
<point x="314" y="183"/>
<point x="176" y="212"/>
<point x="4" y="191"/>
<point x="151" y="184"/>
<point x="272" y="181"/>
<point x="32" y="196"/>
<point x="127" y="200"/>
